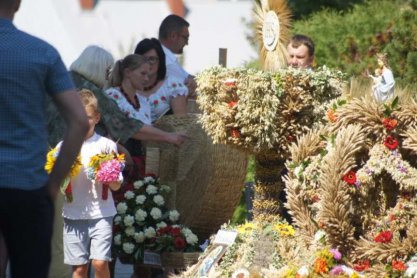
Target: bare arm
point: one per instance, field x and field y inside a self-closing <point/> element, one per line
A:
<point x="72" y="110"/>
<point x="150" y="133"/>
<point x="179" y="105"/>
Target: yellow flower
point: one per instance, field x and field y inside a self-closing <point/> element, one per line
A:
<point x="354" y="275"/>
<point x="50" y="160"/>
<point x="76" y="167"/>
<point x="245" y="228"/>
<point x="284" y="229"/>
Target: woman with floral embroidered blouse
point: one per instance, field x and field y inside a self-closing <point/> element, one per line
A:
<point x="166" y="94"/>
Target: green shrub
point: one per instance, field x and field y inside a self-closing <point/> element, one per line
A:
<point x="350" y="40"/>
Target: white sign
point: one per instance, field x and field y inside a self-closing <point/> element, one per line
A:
<point x="270" y="30"/>
<point x="225" y="237"/>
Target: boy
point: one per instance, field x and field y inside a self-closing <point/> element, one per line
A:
<point x="88" y="218"/>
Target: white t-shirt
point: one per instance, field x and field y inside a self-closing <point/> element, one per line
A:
<point x="174" y="69"/>
<point x="143" y="114"/>
<point x="87" y="195"/>
<point x="160" y="101"/>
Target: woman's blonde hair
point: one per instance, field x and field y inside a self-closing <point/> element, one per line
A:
<point x="93" y="64"/>
<point x="131" y="62"/>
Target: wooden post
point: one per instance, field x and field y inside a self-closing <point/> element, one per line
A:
<point x="223" y="57"/>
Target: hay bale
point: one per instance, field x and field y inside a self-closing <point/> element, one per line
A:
<point x="206" y="178"/>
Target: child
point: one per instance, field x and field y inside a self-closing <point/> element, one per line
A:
<point x="88" y="217"/>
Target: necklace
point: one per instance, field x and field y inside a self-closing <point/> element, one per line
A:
<point x="136" y="105"/>
<point x="151" y="86"/>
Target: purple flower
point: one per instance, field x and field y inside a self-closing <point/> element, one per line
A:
<point x="337" y="270"/>
<point x="357" y="184"/>
<point x="336" y="254"/>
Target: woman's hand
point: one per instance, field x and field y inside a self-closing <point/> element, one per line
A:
<point x="176" y="138"/>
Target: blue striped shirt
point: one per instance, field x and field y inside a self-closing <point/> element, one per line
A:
<point x="29" y="68"/>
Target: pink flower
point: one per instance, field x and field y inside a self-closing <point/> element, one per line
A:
<point x="336" y="254"/>
<point x="109" y="171"/>
<point x="337" y="270"/>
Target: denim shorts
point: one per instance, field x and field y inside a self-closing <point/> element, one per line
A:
<point x="88" y="239"/>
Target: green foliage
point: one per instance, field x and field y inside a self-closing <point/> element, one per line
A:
<point x="303" y="8"/>
<point x="349" y="41"/>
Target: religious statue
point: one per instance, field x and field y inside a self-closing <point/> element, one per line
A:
<point x="383" y="80"/>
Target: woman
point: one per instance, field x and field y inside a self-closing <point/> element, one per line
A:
<point x="384" y="82"/>
<point x="165" y="93"/>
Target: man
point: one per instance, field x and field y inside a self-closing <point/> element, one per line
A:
<point x="174" y="35"/>
<point x="300" y="52"/>
<point x="29" y="69"/>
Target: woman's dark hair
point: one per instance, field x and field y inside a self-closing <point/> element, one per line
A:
<point x="148" y="44"/>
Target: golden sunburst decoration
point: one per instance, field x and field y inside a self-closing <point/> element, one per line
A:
<point x="272" y="25"/>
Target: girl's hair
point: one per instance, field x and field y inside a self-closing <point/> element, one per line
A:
<point x="89" y="100"/>
<point x="148" y="44"/>
<point x="131" y="62"/>
<point x="93" y="64"/>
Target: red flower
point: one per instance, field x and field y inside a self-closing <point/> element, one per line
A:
<point x="175" y="231"/>
<point x="230" y="82"/>
<point x="232" y="104"/>
<point x="179" y="243"/>
<point x="174" y="85"/>
<point x="350" y="177"/>
<point x="163" y="98"/>
<point x="391" y="143"/>
<point x="383" y="237"/>
<point x="389" y="123"/>
<point x="398" y="265"/>
<point x="155" y="102"/>
<point x="362" y="265"/>
<point x="235" y="133"/>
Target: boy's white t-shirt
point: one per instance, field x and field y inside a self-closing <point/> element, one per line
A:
<point x="87" y="195"/>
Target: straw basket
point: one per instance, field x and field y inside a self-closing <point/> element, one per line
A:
<point x="206" y="179"/>
<point x="179" y="260"/>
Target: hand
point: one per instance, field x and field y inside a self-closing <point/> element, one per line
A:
<point x="176" y="138"/>
<point x="191" y="85"/>
<point x="53" y="190"/>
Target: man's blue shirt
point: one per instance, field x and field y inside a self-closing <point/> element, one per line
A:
<point x="29" y="68"/>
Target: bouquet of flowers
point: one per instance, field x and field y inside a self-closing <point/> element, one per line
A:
<point x="66" y="189"/>
<point x="144" y="223"/>
<point x="106" y="167"/>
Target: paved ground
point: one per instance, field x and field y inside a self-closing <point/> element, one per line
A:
<point x="122" y="271"/>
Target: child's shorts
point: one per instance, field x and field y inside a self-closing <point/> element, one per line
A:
<point x="88" y="239"/>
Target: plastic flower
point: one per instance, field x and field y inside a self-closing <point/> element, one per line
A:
<point x="336" y="254"/>
<point x="149" y="179"/>
<point x="140" y="215"/>
<point x="191" y="239"/>
<point x="161" y="224"/>
<point x="121" y="208"/>
<point x="129" y="195"/>
<point x="159" y="200"/>
<point x="179" y="243"/>
<point x="128" y="220"/>
<point x="284" y="229"/>
<point x="139" y="237"/>
<point x="138" y="184"/>
<point x="128" y="247"/>
<point x="398" y="265"/>
<point x="151" y="189"/>
<point x="320" y="266"/>
<point x="246" y="228"/>
<point x="350" y="177"/>
<point x="389" y="123"/>
<point x="174" y="215"/>
<point x="109" y="171"/>
<point x="130" y="231"/>
<point x="118" y="239"/>
<point x="150" y="232"/>
<point x="156" y="213"/>
<point x="140" y="199"/>
<point x="391" y="143"/>
<point x="362" y="265"/>
<point x="117" y="220"/>
<point x="383" y="237"/>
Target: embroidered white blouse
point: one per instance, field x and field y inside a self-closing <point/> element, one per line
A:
<point x="143" y="114"/>
<point x="160" y="101"/>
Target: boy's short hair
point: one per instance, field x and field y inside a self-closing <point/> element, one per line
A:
<point x="88" y="99"/>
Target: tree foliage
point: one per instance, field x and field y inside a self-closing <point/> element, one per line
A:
<point x="303" y="8"/>
<point x="350" y="40"/>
